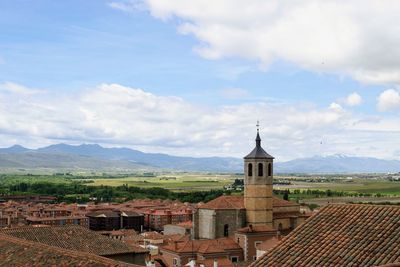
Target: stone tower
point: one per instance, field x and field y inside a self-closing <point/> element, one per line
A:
<point x="258" y="173"/>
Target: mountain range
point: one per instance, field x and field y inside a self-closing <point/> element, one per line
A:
<point x="96" y="157"/>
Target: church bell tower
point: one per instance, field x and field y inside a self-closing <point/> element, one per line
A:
<point x="258" y="175"/>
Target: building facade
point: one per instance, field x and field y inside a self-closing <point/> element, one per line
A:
<point x="223" y="216"/>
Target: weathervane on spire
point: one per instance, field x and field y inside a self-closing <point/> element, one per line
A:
<point x="258" y="126"/>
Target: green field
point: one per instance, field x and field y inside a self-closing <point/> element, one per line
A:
<point x="176" y="182"/>
<point x="196" y="187"/>
<point x="372" y="186"/>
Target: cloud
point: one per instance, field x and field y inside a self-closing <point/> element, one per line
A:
<point x="353" y="99"/>
<point x="331" y="36"/>
<point x="389" y="100"/>
<point x="127" y="6"/>
<point x="18" y="89"/>
<point x="116" y="115"/>
<point x="234" y="93"/>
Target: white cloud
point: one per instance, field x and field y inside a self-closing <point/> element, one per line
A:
<point x="115" y="115"/>
<point x="335" y="107"/>
<point x="330" y="36"/>
<point x="389" y="100"/>
<point x="234" y="93"/>
<point x="354" y="99"/>
<point x="127" y="6"/>
<point x="18" y="89"/>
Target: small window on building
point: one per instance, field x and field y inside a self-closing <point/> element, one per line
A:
<point x="226" y="230"/>
<point x="257" y="243"/>
<point x="250" y="169"/>
<point x="280" y="228"/>
<point x="175" y="261"/>
<point x="234" y="258"/>
<point x="260" y="169"/>
<point x="269" y="169"/>
<point x="254" y="258"/>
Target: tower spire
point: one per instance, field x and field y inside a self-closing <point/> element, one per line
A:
<point x="258" y="138"/>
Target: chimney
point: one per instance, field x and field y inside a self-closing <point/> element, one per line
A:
<point x="215" y="263"/>
<point x="278" y="235"/>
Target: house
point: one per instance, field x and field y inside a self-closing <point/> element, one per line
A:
<point x="341" y="235"/>
<point x="183" y="228"/>
<point x="62" y="220"/>
<point x="181" y="253"/>
<point x="21" y="252"/>
<point x="80" y="239"/>
<point x="108" y="220"/>
<point x="250" y="237"/>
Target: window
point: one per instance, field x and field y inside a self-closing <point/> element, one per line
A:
<point x="175" y="261"/>
<point x="257" y="243"/>
<point x="234" y="258"/>
<point x="226" y="230"/>
<point x="260" y="169"/>
<point x="280" y="228"/>
<point x="250" y="169"/>
<point x="269" y="169"/>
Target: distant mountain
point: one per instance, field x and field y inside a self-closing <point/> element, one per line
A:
<point x="96" y="157"/>
<point x="157" y="160"/>
<point x="37" y="160"/>
<point x="14" y="149"/>
<point x="338" y="164"/>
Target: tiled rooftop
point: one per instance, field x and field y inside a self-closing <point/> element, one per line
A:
<point x="204" y="246"/>
<point x="20" y="252"/>
<point x="74" y="238"/>
<point x="237" y="202"/>
<point x="341" y="235"/>
<point x="225" y="202"/>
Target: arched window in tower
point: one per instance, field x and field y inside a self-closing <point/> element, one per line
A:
<point x="269" y="169"/>
<point x="250" y="169"/>
<point x="226" y="230"/>
<point x="260" y="169"/>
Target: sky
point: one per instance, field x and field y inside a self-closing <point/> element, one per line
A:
<point x="193" y="77"/>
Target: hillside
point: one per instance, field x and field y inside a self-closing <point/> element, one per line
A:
<point x="96" y="157"/>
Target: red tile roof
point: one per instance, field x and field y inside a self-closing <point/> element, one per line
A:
<point x="237" y="202"/>
<point x="268" y="244"/>
<point x="222" y="262"/>
<point x="74" y="238"/>
<point x="204" y="246"/>
<point x="20" y="252"/>
<point x="225" y="202"/>
<point x="341" y="235"/>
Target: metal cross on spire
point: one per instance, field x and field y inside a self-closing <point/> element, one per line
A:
<point x="258" y="126"/>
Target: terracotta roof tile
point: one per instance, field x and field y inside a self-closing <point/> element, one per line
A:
<point x="204" y="246"/>
<point x="268" y="244"/>
<point x="74" y="238"/>
<point x="20" y="252"/>
<point x="237" y="202"/>
<point x="225" y="202"/>
<point x="341" y="235"/>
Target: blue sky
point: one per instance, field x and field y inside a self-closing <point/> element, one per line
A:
<point x="216" y="69"/>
